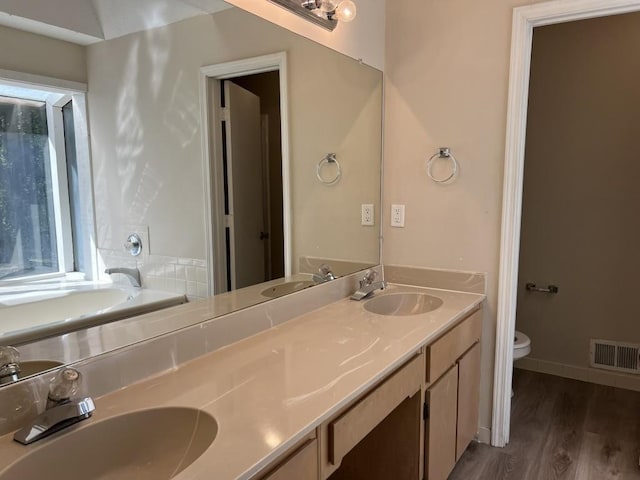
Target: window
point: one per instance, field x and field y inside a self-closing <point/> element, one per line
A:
<point x="41" y="220"/>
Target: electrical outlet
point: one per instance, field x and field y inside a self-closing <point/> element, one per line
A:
<point x="397" y="215"/>
<point x="367" y="214"/>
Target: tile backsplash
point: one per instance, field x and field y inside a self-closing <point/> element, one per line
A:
<point x="187" y="276"/>
<point x="472" y="282"/>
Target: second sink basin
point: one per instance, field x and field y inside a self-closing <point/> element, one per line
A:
<point x="154" y="444"/>
<point x="400" y="304"/>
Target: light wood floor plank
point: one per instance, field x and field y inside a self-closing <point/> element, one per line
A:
<point x="562" y="429"/>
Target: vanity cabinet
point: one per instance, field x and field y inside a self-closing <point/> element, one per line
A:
<point x="410" y="426"/>
<point x="440" y="427"/>
<point x="378" y="437"/>
<point x="452" y="396"/>
<point x="468" y="398"/>
<point x="300" y="464"/>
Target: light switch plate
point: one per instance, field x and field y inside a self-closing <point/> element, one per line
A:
<point x="397" y="216"/>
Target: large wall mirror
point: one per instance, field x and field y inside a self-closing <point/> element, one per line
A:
<point x="211" y="220"/>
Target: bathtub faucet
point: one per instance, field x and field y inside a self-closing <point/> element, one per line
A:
<point x="132" y="273"/>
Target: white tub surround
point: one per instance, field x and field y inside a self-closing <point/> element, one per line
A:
<point x="187" y="276"/>
<point x="268" y="391"/>
<point x="31" y="314"/>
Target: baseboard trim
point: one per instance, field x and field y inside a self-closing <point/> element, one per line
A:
<point x="484" y="435"/>
<point x="585" y="374"/>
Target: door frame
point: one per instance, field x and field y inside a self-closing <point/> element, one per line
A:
<point x="211" y="141"/>
<point x="525" y="19"/>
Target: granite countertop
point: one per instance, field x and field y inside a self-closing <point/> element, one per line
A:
<point x="268" y="391"/>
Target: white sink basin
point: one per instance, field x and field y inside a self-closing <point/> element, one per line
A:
<point x="154" y="444"/>
<point x="286" y="288"/>
<point x="401" y="304"/>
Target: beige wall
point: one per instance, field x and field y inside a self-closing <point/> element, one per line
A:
<point x="145" y="122"/>
<point x="37" y="55"/>
<point x="580" y="216"/>
<point x="446" y="83"/>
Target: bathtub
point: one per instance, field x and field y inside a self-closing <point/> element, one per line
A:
<point x="33" y="314"/>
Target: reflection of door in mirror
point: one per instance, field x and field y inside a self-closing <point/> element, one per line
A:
<point x="249" y="123"/>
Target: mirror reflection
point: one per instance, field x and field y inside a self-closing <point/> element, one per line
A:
<point x="247" y="185"/>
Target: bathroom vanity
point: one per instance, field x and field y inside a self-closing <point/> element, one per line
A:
<point x="338" y="392"/>
<point x="422" y="416"/>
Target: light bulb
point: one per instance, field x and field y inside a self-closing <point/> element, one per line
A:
<point x="328" y="6"/>
<point x="346" y="11"/>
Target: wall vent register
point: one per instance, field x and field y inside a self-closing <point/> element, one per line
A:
<point x="617" y="356"/>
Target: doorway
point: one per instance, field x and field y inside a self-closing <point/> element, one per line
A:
<point x="246" y="172"/>
<point x="580" y="198"/>
<point x="525" y="19"/>
<point x="247" y="113"/>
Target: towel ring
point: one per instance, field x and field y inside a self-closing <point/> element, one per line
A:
<point x="329" y="159"/>
<point x="443" y="152"/>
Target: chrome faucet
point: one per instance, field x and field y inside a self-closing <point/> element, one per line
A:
<point x="368" y="285"/>
<point x="61" y="411"/>
<point x="132" y="273"/>
<point x="9" y="364"/>
<point x="324" y="274"/>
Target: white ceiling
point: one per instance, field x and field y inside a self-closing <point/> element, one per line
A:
<point x="90" y="21"/>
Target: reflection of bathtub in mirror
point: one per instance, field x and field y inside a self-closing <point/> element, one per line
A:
<point x="32" y="314"/>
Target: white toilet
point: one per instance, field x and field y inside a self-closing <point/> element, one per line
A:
<point x="521" y="346"/>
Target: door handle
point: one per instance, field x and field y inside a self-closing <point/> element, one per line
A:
<point x="264" y="235"/>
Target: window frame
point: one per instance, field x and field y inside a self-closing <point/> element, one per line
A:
<point x="60" y="93"/>
<point x="59" y="181"/>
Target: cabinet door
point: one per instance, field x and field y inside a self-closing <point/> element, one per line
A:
<point x="468" y="398"/>
<point x="440" y="441"/>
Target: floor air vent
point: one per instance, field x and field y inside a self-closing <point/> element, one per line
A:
<point x="621" y="357"/>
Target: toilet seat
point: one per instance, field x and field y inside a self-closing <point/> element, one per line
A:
<point x="521" y="345"/>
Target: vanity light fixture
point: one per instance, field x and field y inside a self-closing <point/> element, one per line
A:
<point x="325" y="13"/>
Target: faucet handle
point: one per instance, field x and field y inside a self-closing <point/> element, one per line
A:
<point x="369" y="278"/>
<point x="9" y="355"/>
<point x="133" y="245"/>
<point x="324" y="269"/>
<point x="9" y="361"/>
<point x="64" y="385"/>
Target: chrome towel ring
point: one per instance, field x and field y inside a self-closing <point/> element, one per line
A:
<point x="330" y="159"/>
<point x="443" y="152"/>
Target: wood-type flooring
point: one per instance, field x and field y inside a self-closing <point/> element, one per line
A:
<point x="562" y="429"/>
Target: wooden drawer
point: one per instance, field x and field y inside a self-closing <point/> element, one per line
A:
<point x="302" y="464"/>
<point x="445" y="351"/>
<point x="346" y="431"/>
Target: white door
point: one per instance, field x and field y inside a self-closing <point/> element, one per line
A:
<point x="245" y="186"/>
